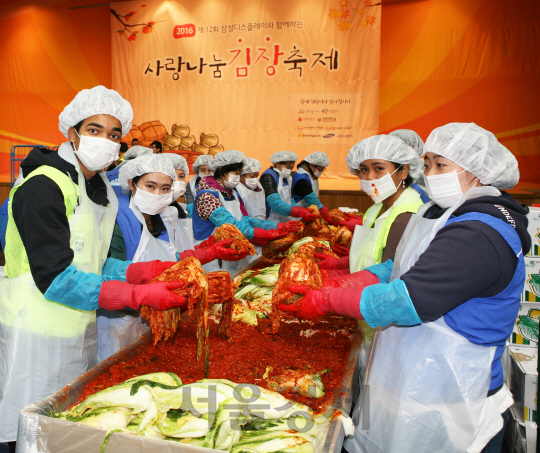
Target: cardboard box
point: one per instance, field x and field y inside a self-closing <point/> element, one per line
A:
<point x="534" y="230"/>
<point x="519" y="436"/>
<point x="524" y="381"/>
<point x="531" y="290"/>
<point x="525" y="331"/>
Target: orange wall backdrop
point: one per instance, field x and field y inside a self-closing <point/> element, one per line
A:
<point x="441" y="61"/>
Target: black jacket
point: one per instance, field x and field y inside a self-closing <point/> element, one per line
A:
<point x="39" y="213"/>
<point x="466" y="259"/>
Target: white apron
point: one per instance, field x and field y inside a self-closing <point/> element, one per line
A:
<point x="363" y="241"/>
<point x="254" y="202"/>
<point x="117" y="329"/>
<point x="285" y="193"/>
<point x="233" y="206"/>
<point x="314" y="185"/>
<point x="425" y="387"/>
<point x="45" y="345"/>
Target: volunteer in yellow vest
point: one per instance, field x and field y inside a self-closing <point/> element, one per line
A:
<point x="61" y="220"/>
<point x="386" y="167"/>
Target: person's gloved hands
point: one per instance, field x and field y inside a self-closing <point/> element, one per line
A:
<point x="207" y="243"/>
<point x="261" y="237"/>
<point x="312" y="305"/>
<point x="325" y="214"/>
<point x="359" y="279"/>
<point x="117" y="295"/>
<point x="327" y="274"/>
<point x="138" y="273"/>
<point x="305" y="214"/>
<point x="318" y="302"/>
<point x="218" y="251"/>
<point x="351" y="222"/>
<point x="290" y="227"/>
<point x="340" y="250"/>
<point x="329" y="262"/>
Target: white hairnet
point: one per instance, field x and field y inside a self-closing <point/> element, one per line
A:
<point x="283" y="156"/>
<point x="226" y="158"/>
<point x="179" y="163"/>
<point x="318" y="158"/>
<point x="156" y="163"/>
<point x="137" y="151"/>
<point x="477" y="151"/>
<point x="203" y="159"/>
<point x="96" y="101"/>
<point x="411" y="138"/>
<point x="388" y="148"/>
<point x="251" y="166"/>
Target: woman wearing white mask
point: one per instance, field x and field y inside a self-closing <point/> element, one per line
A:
<point x="200" y="168"/>
<point x="277" y="184"/>
<point x="386" y="167"/>
<point x="250" y="189"/>
<point x="57" y="273"/>
<point x="217" y="203"/>
<point x="305" y="182"/>
<point x="448" y="303"/>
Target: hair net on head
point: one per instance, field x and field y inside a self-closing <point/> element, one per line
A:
<point x="388" y="148"/>
<point x="179" y="163"/>
<point x="251" y="166"/>
<point x="318" y="158"/>
<point x="226" y="158"/>
<point x="201" y="160"/>
<point x="137" y="151"/>
<point x="411" y="138"/>
<point x="283" y="156"/>
<point x="477" y="151"/>
<point x="156" y="163"/>
<point x="96" y="101"/>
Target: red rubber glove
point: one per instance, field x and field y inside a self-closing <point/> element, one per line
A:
<point x="351" y="222"/>
<point x="306" y="215"/>
<point x="359" y="279"/>
<point x="208" y="243"/>
<point x="325" y="214"/>
<point x="329" y="262"/>
<point x="290" y="227"/>
<point x="327" y="274"/>
<point x="218" y="251"/>
<point x="138" y="273"/>
<point x="318" y="302"/>
<point x="117" y="295"/>
<point x="340" y="250"/>
<point x="261" y="237"/>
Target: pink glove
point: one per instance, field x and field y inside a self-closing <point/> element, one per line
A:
<point x="327" y="274"/>
<point x="352" y="221"/>
<point x="117" y="295"/>
<point x="138" y="273"/>
<point x="208" y="243"/>
<point x="359" y="279"/>
<point x="325" y="214"/>
<point x="307" y="216"/>
<point x="290" y="227"/>
<point x="318" y="302"/>
<point x="329" y="262"/>
<point x="261" y="237"/>
<point x="340" y="250"/>
<point x="218" y="251"/>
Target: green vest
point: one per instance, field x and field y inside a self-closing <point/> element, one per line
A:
<point x="408" y="201"/>
<point x="15" y="253"/>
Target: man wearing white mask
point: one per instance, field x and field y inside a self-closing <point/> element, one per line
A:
<point x="447" y="304"/>
<point x="277" y="185"/>
<point x="61" y="220"/>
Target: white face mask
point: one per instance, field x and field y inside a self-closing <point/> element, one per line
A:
<point x="96" y="153"/>
<point x="285" y="172"/>
<point x="251" y="183"/>
<point x="444" y="190"/>
<point x="317" y="173"/>
<point x="202" y="175"/>
<point x="379" y="189"/>
<point x="233" y="181"/>
<point x="178" y="189"/>
<point x="150" y="203"/>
